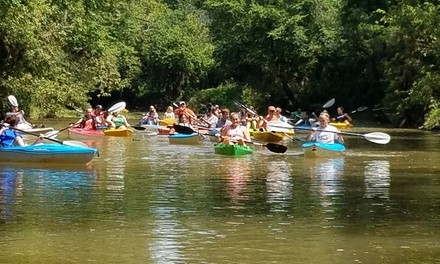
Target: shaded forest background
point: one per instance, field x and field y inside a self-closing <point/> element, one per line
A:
<point x="55" y="55"/>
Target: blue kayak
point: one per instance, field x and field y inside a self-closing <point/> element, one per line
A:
<point x="316" y="149"/>
<point x="47" y="153"/>
<point x="186" y="139"/>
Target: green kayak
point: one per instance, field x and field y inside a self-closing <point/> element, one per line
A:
<point x="232" y="150"/>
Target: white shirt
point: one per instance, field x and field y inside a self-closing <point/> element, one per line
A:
<point x="322" y="136"/>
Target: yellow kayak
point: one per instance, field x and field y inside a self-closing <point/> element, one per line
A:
<point x="267" y="136"/>
<point x="167" y="122"/>
<point x="341" y="125"/>
<point x="118" y="132"/>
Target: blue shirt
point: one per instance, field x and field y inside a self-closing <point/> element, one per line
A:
<point x="7" y="138"/>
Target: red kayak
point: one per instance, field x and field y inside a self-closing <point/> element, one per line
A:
<point x="84" y="134"/>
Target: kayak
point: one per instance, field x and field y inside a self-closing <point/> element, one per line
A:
<point x="232" y="150"/>
<point x="29" y="128"/>
<point x="84" y="134"/>
<point x="340" y="125"/>
<point x="47" y="153"/>
<point x="118" y="132"/>
<point x="164" y="130"/>
<point x="186" y="139"/>
<point x="267" y="136"/>
<point x="167" y="122"/>
<point x="316" y="149"/>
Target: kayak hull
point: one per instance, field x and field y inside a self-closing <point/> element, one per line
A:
<point x="118" y="132"/>
<point x="341" y="125"/>
<point x="322" y="150"/>
<point x="267" y="136"/>
<point x="29" y="128"/>
<point x="84" y="134"/>
<point x="185" y="139"/>
<point x="47" y="154"/>
<point x="167" y="122"/>
<point x="232" y="150"/>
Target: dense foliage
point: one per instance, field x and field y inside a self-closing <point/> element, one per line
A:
<point x="383" y="54"/>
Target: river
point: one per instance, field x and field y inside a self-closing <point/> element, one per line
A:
<point x="146" y="201"/>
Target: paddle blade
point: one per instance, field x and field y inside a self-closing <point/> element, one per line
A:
<point x="183" y="129"/>
<point x="378" y="137"/>
<point x="12" y="100"/>
<point x="74" y="143"/>
<point x="139" y="127"/>
<point x="329" y="103"/>
<point x="277" y="148"/>
<point x="117" y="107"/>
<point x="52" y="134"/>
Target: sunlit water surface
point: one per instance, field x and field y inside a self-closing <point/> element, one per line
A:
<point x="146" y="201"/>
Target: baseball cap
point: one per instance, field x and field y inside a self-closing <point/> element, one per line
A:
<point x="98" y="106"/>
<point x="182" y="102"/>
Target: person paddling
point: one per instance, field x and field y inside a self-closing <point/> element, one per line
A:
<point x="234" y="132"/>
<point x="342" y="116"/>
<point x="325" y="133"/>
<point x="11" y="137"/>
<point x="117" y="120"/>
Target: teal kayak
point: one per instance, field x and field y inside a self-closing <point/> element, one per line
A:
<point x="47" y="153"/>
<point x="185" y="139"/>
<point x="316" y="149"/>
<point x="232" y="150"/>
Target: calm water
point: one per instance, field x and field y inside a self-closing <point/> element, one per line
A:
<point x="146" y="201"/>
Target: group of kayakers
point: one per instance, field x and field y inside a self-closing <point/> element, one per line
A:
<point x="98" y="119"/>
<point x="232" y="127"/>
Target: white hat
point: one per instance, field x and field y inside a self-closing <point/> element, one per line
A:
<point x="182" y="102"/>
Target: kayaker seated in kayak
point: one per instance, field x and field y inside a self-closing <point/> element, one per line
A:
<point x="87" y="122"/>
<point x="19" y="114"/>
<point x="235" y="133"/>
<point x="223" y="118"/>
<point x="271" y="117"/>
<point x="341" y="116"/>
<point x="183" y="110"/>
<point x="278" y="114"/>
<point x="325" y="133"/>
<point x="116" y="120"/>
<point x="169" y="113"/>
<point x="11" y="137"/>
<point x="152" y="118"/>
<point x="99" y="116"/>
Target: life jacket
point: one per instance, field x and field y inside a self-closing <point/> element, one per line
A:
<point x="7" y="138"/>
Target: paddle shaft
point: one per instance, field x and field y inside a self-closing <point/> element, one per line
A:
<point x="37" y="135"/>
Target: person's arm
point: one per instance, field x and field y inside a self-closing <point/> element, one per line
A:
<point x="109" y="121"/>
<point x="348" y="117"/>
<point x="126" y="122"/>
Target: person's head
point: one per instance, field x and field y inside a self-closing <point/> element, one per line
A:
<point x="235" y="119"/>
<point x="115" y="113"/>
<point x="225" y="113"/>
<point x="152" y="109"/>
<point x="182" y="104"/>
<point x="89" y="111"/>
<point x="98" y="108"/>
<point x="340" y="110"/>
<point x="324" y="119"/>
<point x="11" y="120"/>
<point x="271" y="110"/>
<point x="182" y="118"/>
<point x="169" y="109"/>
<point x="14" y="108"/>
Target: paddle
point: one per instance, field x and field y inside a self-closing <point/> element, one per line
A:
<point x="66" y="142"/>
<point x="359" y="109"/>
<point x="375" y="137"/>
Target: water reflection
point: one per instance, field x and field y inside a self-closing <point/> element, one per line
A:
<point x="377" y="179"/>
<point x="115" y="149"/>
<point x="279" y="186"/>
<point x="166" y="248"/>
<point x="328" y="174"/>
<point x="39" y="188"/>
<point x="237" y="173"/>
